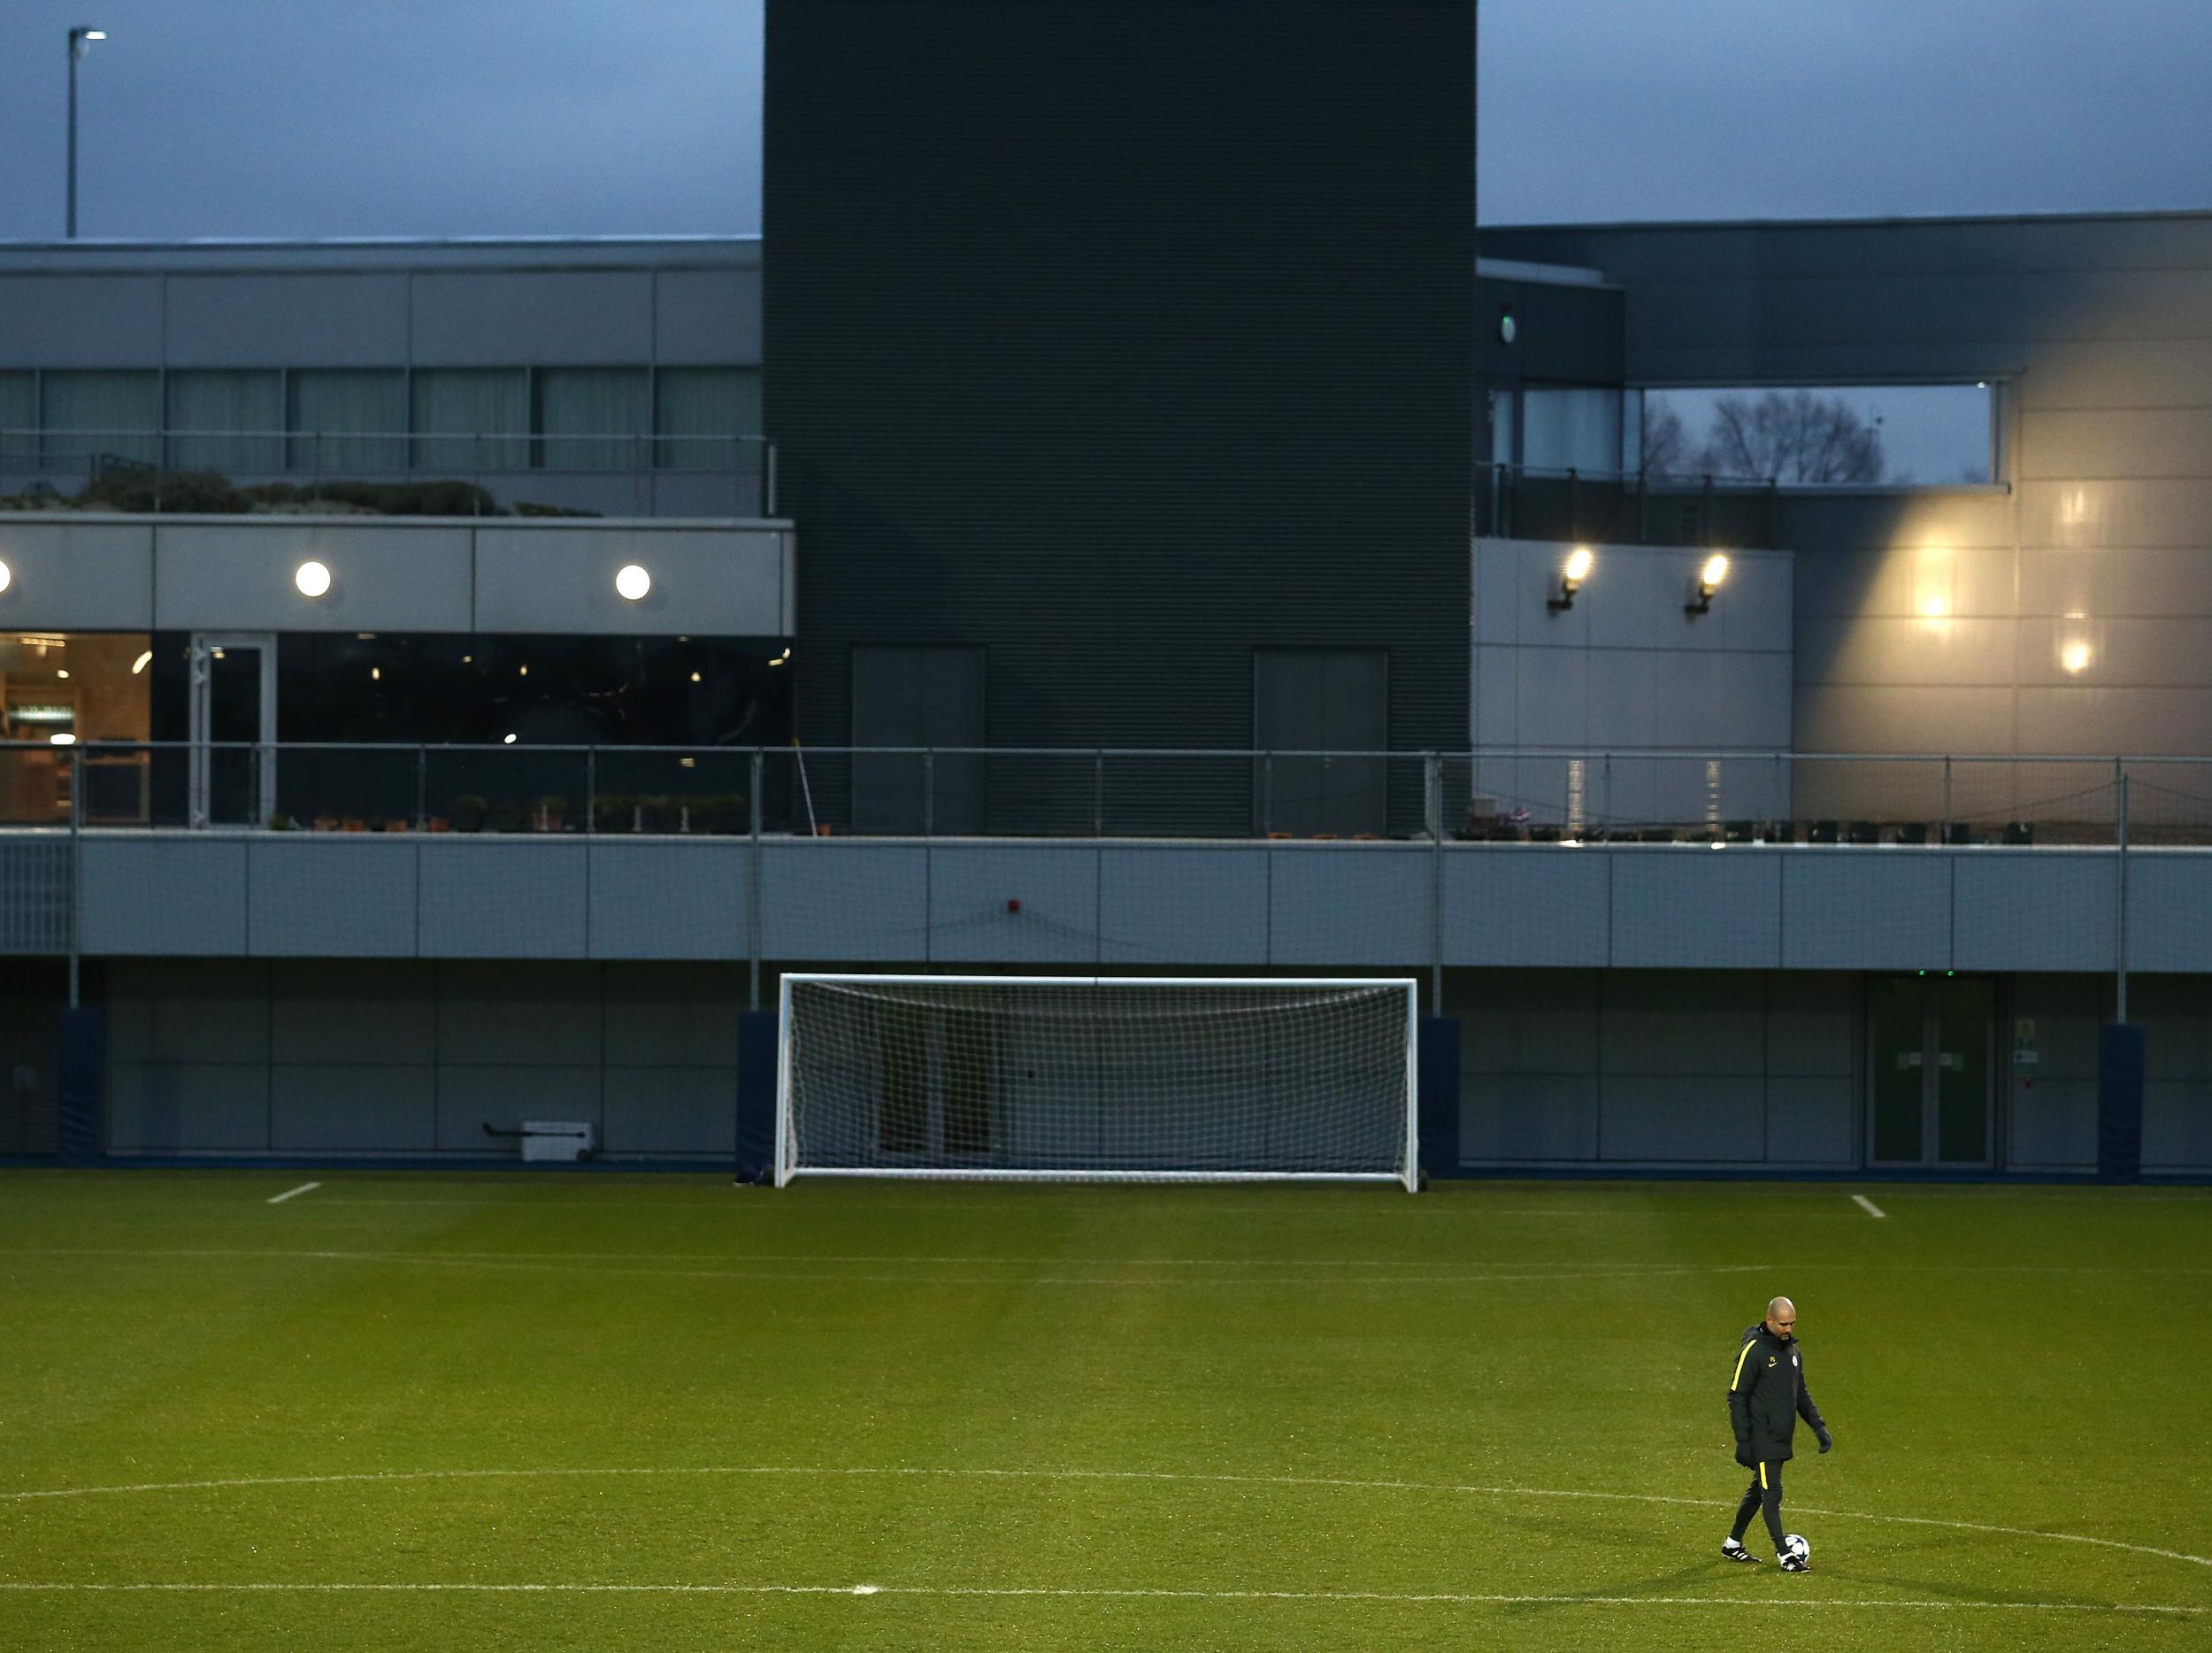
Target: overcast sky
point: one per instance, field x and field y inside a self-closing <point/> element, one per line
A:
<point x="313" y="118"/>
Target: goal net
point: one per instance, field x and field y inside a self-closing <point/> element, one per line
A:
<point x="1097" y="1078"/>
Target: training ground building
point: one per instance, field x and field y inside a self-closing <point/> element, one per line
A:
<point x="1014" y="561"/>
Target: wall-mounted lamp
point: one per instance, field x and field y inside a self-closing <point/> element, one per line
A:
<point x="632" y="581"/>
<point x="1570" y="579"/>
<point x="2075" y="657"/>
<point x="312" y="579"/>
<point x="1708" y="580"/>
<point x="6" y="577"/>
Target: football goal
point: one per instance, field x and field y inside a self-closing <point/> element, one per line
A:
<point x="1098" y="1078"/>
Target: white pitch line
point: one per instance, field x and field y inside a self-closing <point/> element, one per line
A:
<point x="826" y="1472"/>
<point x="1424" y="1597"/>
<point x="291" y="1193"/>
<point x="1872" y="1210"/>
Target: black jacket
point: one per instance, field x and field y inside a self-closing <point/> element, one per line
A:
<point x="1767" y="1395"/>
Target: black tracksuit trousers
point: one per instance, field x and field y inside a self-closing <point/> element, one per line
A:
<point x="1765" y="1494"/>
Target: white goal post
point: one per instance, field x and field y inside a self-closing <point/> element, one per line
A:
<point x="1098" y="1078"/>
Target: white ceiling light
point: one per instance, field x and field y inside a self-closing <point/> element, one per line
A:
<point x="312" y="579"/>
<point x="632" y="581"/>
<point x="141" y="663"/>
<point x="7" y="577"/>
<point x="62" y="739"/>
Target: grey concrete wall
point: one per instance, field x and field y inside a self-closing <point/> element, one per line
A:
<point x="235" y="574"/>
<point x="1675" y="906"/>
<point x="1931" y="621"/>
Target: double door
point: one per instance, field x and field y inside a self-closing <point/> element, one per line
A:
<point x="1931" y="1064"/>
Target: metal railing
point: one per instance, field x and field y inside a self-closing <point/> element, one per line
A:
<point x="165" y="470"/>
<point x="1519" y="502"/>
<point x="1766" y="799"/>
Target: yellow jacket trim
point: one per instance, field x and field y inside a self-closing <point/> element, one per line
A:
<point x="1733" y="1381"/>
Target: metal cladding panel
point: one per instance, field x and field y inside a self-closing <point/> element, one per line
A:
<point x="844" y="903"/>
<point x="671" y="900"/>
<point x="349" y="319"/>
<point x="2034" y="911"/>
<point x="235" y="575"/>
<point x="353" y="1107"/>
<point x="716" y="582"/>
<point x="1019" y="903"/>
<point x="1844" y="910"/>
<point x="167" y="895"/>
<point x="77" y="320"/>
<point x="310" y="899"/>
<point x="532" y="318"/>
<point x="157" y="1107"/>
<point x="72" y="576"/>
<point x="1168" y="905"/>
<point x="1527" y="904"/>
<point x="2168" y="895"/>
<point x="1351" y="904"/>
<point x="502" y="897"/>
<point x="1687" y="907"/>
<point x="706" y="317"/>
<point x="1649" y="1117"/>
<point x="1121" y="339"/>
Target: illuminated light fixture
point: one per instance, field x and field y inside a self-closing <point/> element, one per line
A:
<point x="507" y="739"/>
<point x="218" y="654"/>
<point x="63" y="673"/>
<point x="312" y="579"/>
<point x="687" y="763"/>
<point x="632" y="581"/>
<point x="780" y="658"/>
<point x="1571" y="580"/>
<point x="1710" y="580"/>
<point x="694" y="677"/>
<point x="523" y="671"/>
<point x="7" y="577"/>
<point x="63" y="739"/>
<point x="141" y="663"/>
<point x="2074" y="656"/>
<point x="376" y="674"/>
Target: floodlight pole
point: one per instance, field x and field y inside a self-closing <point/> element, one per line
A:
<point x="79" y="38"/>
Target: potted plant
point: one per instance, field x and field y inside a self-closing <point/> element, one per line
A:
<point x="552" y="813"/>
<point x="470" y="811"/>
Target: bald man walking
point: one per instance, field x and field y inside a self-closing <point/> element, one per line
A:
<point x="1766" y="1398"/>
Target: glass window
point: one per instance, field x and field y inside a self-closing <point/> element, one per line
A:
<point x="232" y="403"/>
<point x="91" y="686"/>
<point x="593" y="419"/>
<point x="88" y="417"/>
<point x="19" y="422"/>
<point x="462" y="414"/>
<point x="338" y="417"/>
<point x="699" y="410"/>
<point x="1823" y="436"/>
<point x="1571" y="428"/>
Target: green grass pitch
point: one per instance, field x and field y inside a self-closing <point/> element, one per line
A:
<point x="606" y="1410"/>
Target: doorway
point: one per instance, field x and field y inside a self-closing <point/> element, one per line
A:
<point x="1932" y="1064"/>
<point x="233" y="728"/>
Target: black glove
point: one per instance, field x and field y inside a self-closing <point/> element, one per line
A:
<point x="1743" y="1455"/>
<point x="1827" y="1440"/>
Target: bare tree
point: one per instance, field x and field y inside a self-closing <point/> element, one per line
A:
<point x="1667" y="449"/>
<point x="1792" y="436"/>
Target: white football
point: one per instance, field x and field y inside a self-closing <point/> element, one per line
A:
<point x="1799" y="1548"/>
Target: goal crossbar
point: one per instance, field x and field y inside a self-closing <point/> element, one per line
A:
<point x="982" y="1077"/>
